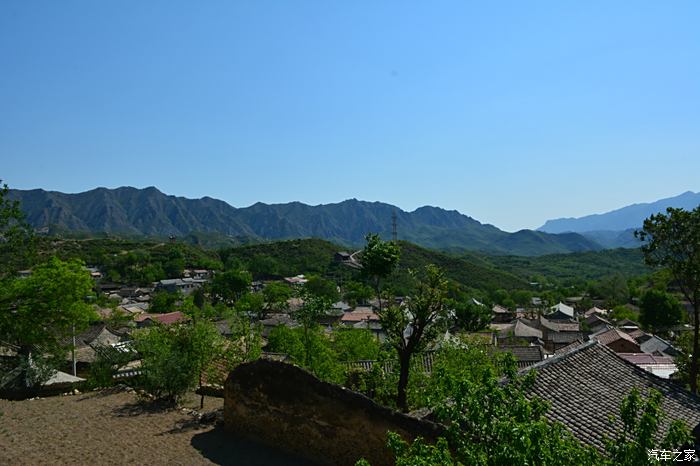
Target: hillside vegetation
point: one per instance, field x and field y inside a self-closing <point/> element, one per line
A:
<point x="592" y="265"/>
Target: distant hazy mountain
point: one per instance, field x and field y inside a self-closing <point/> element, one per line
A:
<point x="131" y="211"/>
<point x="619" y="220"/>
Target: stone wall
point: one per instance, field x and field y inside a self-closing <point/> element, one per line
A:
<point x="288" y="408"/>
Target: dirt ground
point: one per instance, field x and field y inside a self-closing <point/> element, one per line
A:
<point x="113" y="427"/>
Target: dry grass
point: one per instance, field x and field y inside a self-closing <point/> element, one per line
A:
<point x="112" y="427"/>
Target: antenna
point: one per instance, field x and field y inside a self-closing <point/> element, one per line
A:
<point x="394" y="235"/>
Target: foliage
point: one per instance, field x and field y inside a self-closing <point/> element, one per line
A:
<point x="640" y="422"/>
<point x="379" y="258"/>
<point x="307" y="315"/>
<point x="621" y="312"/>
<point x="493" y="423"/>
<point x="356" y="293"/>
<point x="490" y="421"/>
<point x="321" y="287"/>
<point x="244" y="345"/>
<point x="411" y="328"/>
<point x="108" y="359"/>
<point x="285" y="258"/>
<point x="300" y="344"/>
<point x="672" y="240"/>
<point x="470" y="316"/>
<point x="614" y="290"/>
<point x="354" y="344"/>
<point x="659" y="310"/>
<point x="573" y="268"/>
<point x="470" y="271"/>
<point x="467" y="358"/>
<point x="420" y="453"/>
<point x="129" y="261"/>
<point x="252" y="304"/>
<point x="174" y="357"/>
<point x="230" y="285"/>
<point x="276" y="295"/>
<point x="684" y="343"/>
<point x="165" y="301"/>
<point x="16" y="236"/>
<point x="44" y="309"/>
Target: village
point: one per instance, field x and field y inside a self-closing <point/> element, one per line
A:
<point x="586" y="360"/>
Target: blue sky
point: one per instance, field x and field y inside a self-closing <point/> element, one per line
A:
<point x="510" y="112"/>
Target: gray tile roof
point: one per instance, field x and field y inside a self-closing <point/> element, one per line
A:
<point x="525" y="355"/>
<point x="656" y="344"/>
<point x="587" y="385"/>
<point x="523" y="330"/>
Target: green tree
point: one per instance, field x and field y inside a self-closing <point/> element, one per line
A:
<point x="283" y="339"/>
<point x="470" y="316"/>
<point x="17" y="248"/>
<point x="276" y="295"/>
<point x="44" y="310"/>
<point x="640" y="423"/>
<point x="490" y="422"/>
<point x="175" y="357"/>
<point x="614" y="290"/>
<point x="230" y="285"/>
<point x="165" y="301"/>
<point x="683" y="359"/>
<point x="493" y="423"/>
<point x="672" y="241"/>
<point x="319" y="286"/>
<point x="379" y="258"/>
<point x="252" y="304"/>
<point x="307" y="315"/>
<point x="354" y="344"/>
<point x="621" y="312"/>
<point x="300" y="343"/>
<point x="411" y="328"/>
<point x="659" y="310"/>
<point x="356" y="293"/>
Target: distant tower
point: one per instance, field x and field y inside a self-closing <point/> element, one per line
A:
<point x="394" y="235"/>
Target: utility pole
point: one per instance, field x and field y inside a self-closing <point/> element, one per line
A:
<point x="75" y="372"/>
<point x="394" y="234"/>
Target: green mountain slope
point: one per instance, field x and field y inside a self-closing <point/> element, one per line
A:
<point x="590" y="265"/>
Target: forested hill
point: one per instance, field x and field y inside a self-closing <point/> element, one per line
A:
<point x="149" y="212"/>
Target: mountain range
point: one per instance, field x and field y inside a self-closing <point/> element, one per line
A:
<point x="148" y="212"/>
<point x="128" y="211"/>
<point x="616" y="228"/>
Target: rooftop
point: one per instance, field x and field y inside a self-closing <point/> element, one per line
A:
<point x="587" y="385"/>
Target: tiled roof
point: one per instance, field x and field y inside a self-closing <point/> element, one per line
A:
<point x="358" y="316"/>
<point x="564" y="337"/>
<point x="644" y="358"/>
<point x="525" y="354"/>
<point x="612" y="335"/>
<point x="165" y="319"/>
<point x="656" y="344"/>
<point x="523" y="330"/>
<point x="559" y="326"/>
<point x="595" y="319"/>
<point x="588" y="384"/>
<point x="563" y="308"/>
<point x="570" y="347"/>
<point x="594" y="310"/>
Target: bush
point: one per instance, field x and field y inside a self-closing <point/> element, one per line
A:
<point x="174" y="357"/>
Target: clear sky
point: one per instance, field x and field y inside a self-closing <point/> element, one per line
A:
<point x="510" y="112"/>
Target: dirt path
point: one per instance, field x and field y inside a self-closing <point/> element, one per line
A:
<point x="114" y="428"/>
